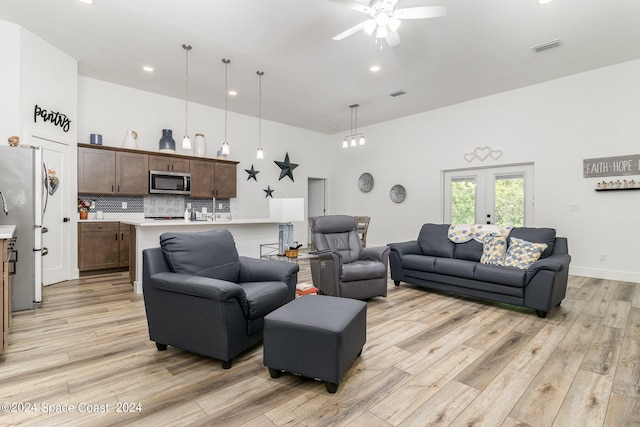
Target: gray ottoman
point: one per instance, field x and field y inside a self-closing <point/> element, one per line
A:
<point x="315" y="336"/>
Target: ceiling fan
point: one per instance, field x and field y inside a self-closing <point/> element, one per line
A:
<point x="385" y="19"/>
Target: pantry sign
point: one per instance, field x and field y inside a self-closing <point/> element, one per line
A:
<point x="612" y="166"/>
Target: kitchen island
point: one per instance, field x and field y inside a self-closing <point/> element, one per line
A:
<point x="247" y="233"/>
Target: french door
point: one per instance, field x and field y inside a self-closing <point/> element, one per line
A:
<point x="497" y="195"/>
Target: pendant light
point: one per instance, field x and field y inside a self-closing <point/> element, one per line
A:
<point x="186" y="142"/>
<point x="354" y="138"/>
<point x="260" y="152"/>
<point x="225" y="145"/>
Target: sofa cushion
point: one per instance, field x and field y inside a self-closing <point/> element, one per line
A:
<point x="455" y="267"/>
<point x="494" y="250"/>
<point x="502" y="275"/>
<point x="433" y="240"/>
<point x="419" y="262"/>
<point x="536" y="235"/>
<point x="521" y="254"/>
<point x="209" y="254"/>
<point x="471" y="250"/>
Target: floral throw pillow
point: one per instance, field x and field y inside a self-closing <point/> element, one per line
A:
<point x="493" y="250"/>
<point x="521" y="254"/>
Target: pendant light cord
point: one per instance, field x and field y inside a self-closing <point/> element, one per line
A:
<point x="226" y="97"/>
<point x="260" y="74"/>
<point x="186" y="91"/>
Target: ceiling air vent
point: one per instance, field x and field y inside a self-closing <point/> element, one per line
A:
<point x="398" y="93"/>
<point x="546" y="46"/>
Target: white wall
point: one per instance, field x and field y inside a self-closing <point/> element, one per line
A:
<point x="555" y="124"/>
<point x="111" y="110"/>
<point x="49" y="79"/>
<point x="9" y="76"/>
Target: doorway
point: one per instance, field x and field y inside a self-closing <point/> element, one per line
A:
<point x="317" y="201"/>
<point x="497" y="195"/>
<point x="56" y="218"/>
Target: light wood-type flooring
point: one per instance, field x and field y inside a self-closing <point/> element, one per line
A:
<point x="430" y="359"/>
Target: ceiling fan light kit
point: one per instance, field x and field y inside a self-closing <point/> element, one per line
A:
<point x="385" y="19"/>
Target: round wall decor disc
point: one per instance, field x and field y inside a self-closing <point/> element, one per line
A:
<point x="365" y="182"/>
<point x="397" y="193"/>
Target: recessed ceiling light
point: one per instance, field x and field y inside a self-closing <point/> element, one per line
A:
<point x="544" y="1"/>
<point x="87" y="1"/>
<point x="148" y="69"/>
<point x="233" y="93"/>
<point x="374" y="68"/>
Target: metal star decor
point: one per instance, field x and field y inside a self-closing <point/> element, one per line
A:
<point x="286" y="167"/>
<point x="269" y="192"/>
<point x="252" y="173"/>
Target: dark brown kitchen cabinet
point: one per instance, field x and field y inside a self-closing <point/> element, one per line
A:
<point x="123" y="245"/>
<point x="168" y="163"/>
<point x="103" y="171"/>
<point x="102" y="245"/>
<point x="5" y="293"/>
<point x="96" y="171"/>
<point x="225" y="180"/>
<point x="213" y="179"/>
<point x="132" y="176"/>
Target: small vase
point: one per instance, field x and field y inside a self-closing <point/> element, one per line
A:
<point x="130" y="140"/>
<point x="167" y="144"/>
<point x="84" y="214"/>
<point x="198" y="146"/>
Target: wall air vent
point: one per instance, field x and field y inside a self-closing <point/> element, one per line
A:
<point x="398" y="93"/>
<point x="546" y="46"/>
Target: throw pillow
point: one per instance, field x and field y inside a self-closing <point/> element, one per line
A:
<point x="494" y="250"/>
<point x="521" y="254"/>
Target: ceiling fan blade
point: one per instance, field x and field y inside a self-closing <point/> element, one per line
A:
<point x="351" y="30"/>
<point x="353" y="4"/>
<point x="420" y="12"/>
<point x="393" y="39"/>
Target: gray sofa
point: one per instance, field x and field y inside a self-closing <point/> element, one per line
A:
<point x="201" y="296"/>
<point x="433" y="261"/>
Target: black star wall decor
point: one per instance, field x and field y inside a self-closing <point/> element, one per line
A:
<point x="269" y="192"/>
<point x="286" y="167"/>
<point x="252" y="173"/>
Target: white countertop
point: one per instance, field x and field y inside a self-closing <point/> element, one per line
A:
<point x="182" y="223"/>
<point x="7" y="231"/>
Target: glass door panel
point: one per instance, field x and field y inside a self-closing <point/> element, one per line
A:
<point x="500" y="195"/>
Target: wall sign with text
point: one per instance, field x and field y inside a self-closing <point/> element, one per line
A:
<point x="612" y="166"/>
<point x="56" y="118"/>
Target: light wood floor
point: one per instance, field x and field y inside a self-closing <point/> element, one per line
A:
<point x="430" y="359"/>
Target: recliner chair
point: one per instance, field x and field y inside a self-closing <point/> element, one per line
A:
<point x="201" y="296"/>
<point x="342" y="267"/>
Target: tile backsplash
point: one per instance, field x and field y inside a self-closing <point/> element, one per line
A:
<point x="154" y="205"/>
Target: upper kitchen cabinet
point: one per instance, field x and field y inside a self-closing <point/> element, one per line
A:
<point x="104" y="171"/>
<point x="96" y="171"/>
<point x="213" y="179"/>
<point x="168" y="163"/>
<point x="225" y="180"/>
<point x="132" y="173"/>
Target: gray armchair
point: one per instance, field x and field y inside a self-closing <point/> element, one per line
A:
<point x="201" y="296"/>
<point x="342" y="267"/>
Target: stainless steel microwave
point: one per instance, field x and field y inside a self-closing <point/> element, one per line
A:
<point x="162" y="182"/>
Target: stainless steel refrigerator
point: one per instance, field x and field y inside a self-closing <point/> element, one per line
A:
<point x="23" y="197"/>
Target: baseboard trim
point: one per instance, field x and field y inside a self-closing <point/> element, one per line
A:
<point x="598" y="273"/>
